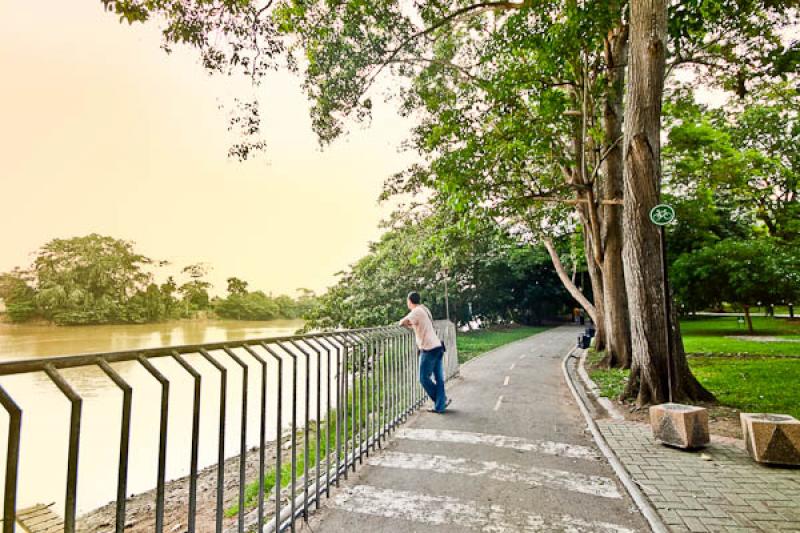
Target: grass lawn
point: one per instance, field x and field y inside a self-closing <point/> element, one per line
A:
<point x="712" y="336"/>
<point x="474" y="343"/>
<point x="751" y="384"/>
<point x="747" y="375"/>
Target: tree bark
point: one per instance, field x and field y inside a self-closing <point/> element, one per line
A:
<point x="596" y="279"/>
<point x="644" y="280"/>
<point x="618" y="350"/>
<point x="749" y="319"/>
<point x="581" y="298"/>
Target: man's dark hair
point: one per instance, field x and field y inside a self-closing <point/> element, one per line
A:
<point x="414" y="297"/>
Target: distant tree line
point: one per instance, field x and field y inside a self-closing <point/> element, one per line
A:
<point x="98" y="279"/>
<point x="489" y="275"/>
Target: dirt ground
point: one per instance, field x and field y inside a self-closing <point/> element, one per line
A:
<point x="140" y="508"/>
<point x="722" y="421"/>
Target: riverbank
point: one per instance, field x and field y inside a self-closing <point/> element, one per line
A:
<point x="140" y="508"/>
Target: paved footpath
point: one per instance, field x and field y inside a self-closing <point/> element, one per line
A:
<point x="718" y="489"/>
<point x="511" y="455"/>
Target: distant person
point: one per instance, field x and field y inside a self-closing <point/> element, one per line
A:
<point x="582" y="317"/>
<point x="431" y="351"/>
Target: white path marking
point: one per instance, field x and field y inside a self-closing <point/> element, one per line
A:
<point x="500" y="441"/>
<point x="505" y="382"/>
<point x="443" y="510"/>
<point x="521" y="357"/>
<point x="499" y="401"/>
<point x="538" y="477"/>
<point x="512" y="366"/>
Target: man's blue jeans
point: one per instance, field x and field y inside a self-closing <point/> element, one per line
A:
<point x="431" y="364"/>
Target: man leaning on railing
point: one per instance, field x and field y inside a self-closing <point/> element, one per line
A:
<point x="431" y="350"/>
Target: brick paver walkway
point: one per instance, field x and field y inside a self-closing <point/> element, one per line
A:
<point x="725" y="491"/>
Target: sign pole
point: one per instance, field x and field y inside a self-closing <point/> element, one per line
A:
<point x="667" y="309"/>
<point x="661" y="215"/>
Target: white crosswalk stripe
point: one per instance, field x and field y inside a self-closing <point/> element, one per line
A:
<point x="442" y="510"/>
<point x="558" y="479"/>
<point x="560" y="449"/>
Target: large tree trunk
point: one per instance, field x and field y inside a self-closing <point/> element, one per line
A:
<point x="618" y="351"/>
<point x="749" y="319"/>
<point x="596" y="279"/>
<point x="644" y="278"/>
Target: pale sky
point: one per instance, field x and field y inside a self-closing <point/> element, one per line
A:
<point x="101" y="131"/>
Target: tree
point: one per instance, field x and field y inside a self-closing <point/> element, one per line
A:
<point x="500" y="75"/>
<point x="168" y="290"/>
<point x="18" y="296"/>
<point x="88" y="279"/>
<point x="237" y="286"/>
<point x="659" y="371"/>
<point x="493" y="277"/>
<point x="195" y="291"/>
<point x="745" y="153"/>
<point x="739" y="272"/>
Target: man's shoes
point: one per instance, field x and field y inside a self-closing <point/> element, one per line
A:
<point x="446" y="405"/>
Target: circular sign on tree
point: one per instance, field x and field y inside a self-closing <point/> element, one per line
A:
<point x="662" y="214"/>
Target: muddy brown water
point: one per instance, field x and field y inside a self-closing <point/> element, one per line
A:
<point x="45" y="423"/>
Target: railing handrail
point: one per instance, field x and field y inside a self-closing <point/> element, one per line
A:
<point x="375" y="391"/>
<point x="39" y="364"/>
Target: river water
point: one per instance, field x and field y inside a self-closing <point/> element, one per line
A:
<point x="45" y="425"/>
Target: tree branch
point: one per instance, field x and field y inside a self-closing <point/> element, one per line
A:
<point x="482" y="6"/>
<point x="568" y="284"/>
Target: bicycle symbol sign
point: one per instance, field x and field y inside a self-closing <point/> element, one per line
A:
<point x="662" y="214"/>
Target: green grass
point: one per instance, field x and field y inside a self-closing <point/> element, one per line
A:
<point x="474" y="343"/>
<point x="779" y="309"/>
<point x="728" y="325"/>
<point x="751" y="384"/>
<point x="712" y="336"/>
<point x="610" y="381"/>
<point x="746" y="375"/>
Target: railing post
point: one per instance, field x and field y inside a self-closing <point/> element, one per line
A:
<point x="243" y="436"/>
<point x="124" y="443"/>
<point x="278" y="434"/>
<point x="292" y="503"/>
<point x="12" y="460"/>
<point x="262" y="436"/>
<point x="162" y="441"/>
<point x="223" y="393"/>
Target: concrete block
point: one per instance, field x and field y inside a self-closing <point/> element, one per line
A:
<point x="682" y="426"/>
<point x="772" y="438"/>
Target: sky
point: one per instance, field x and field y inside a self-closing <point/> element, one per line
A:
<point x="102" y="131"/>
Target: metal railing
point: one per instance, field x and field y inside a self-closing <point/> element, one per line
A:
<point x="366" y="385"/>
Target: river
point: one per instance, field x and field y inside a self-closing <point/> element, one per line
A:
<point x="46" y="412"/>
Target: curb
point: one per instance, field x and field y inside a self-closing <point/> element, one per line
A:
<point x="647" y="510"/>
<point x="594" y="390"/>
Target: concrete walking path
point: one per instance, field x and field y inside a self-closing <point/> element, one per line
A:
<point x="511" y="455"/>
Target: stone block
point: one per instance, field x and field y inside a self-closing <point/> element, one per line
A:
<point x="682" y="426"/>
<point x="772" y="438"/>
